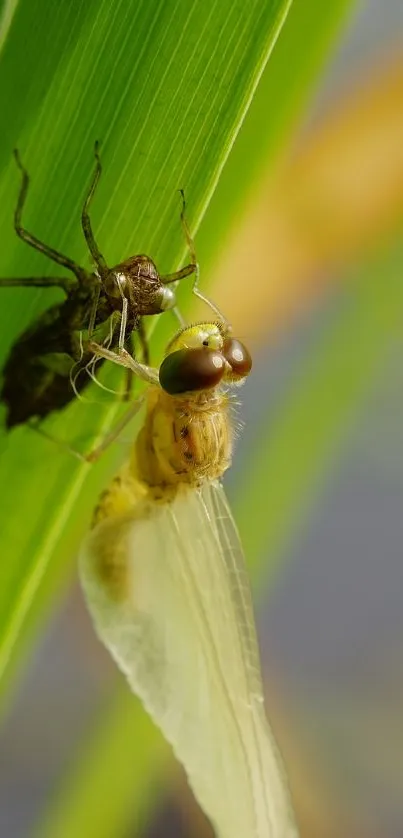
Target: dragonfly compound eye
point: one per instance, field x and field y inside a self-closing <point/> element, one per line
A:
<point x="115" y="285"/>
<point x="189" y="370"/>
<point x="238" y="358"/>
<point x="167" y="298"/>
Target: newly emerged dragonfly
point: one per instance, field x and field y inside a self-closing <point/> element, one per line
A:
<point x="164" y="577"/>
<point x="37" y="372"/>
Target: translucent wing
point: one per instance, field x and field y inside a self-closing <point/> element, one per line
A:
<point x="170" y="599"/>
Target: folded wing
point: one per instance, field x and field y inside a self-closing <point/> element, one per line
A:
<point x="170" y="598"/>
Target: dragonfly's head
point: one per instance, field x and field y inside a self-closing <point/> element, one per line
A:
<point x="202" y="356"/>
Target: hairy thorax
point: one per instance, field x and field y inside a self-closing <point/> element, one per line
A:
<point x="185" y="439"/>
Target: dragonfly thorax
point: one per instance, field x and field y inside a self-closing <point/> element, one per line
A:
<point x="184" y="440"/>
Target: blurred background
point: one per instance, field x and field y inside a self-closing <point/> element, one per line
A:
<point x="320" y="247"/>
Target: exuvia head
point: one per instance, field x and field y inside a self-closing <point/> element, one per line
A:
<point x="137" y="280"/>
<point x="201" y="357"/>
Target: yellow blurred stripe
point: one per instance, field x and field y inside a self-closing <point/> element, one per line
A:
<point x="333" y="199"/>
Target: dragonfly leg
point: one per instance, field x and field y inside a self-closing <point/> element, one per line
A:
<point x="124" y="359"/>
<point x="196" y="266"/>
<point x="85" y="218"/>
<point x="192" y="267"/>
<point x="32" y="241"/>
<point x="181" y="274"/>
<point x="37" y="282"/>
<point x="115" y="432"/>
<point x="93" y="455"/>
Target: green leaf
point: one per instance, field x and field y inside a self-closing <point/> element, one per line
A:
<point x="306" y="35"/>
<point x="165" y="87"/>
<point x="309" y="32"/>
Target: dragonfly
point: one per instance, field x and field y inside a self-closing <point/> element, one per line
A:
<point x="164" y="577"/>
<point x="37" y="376"/>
